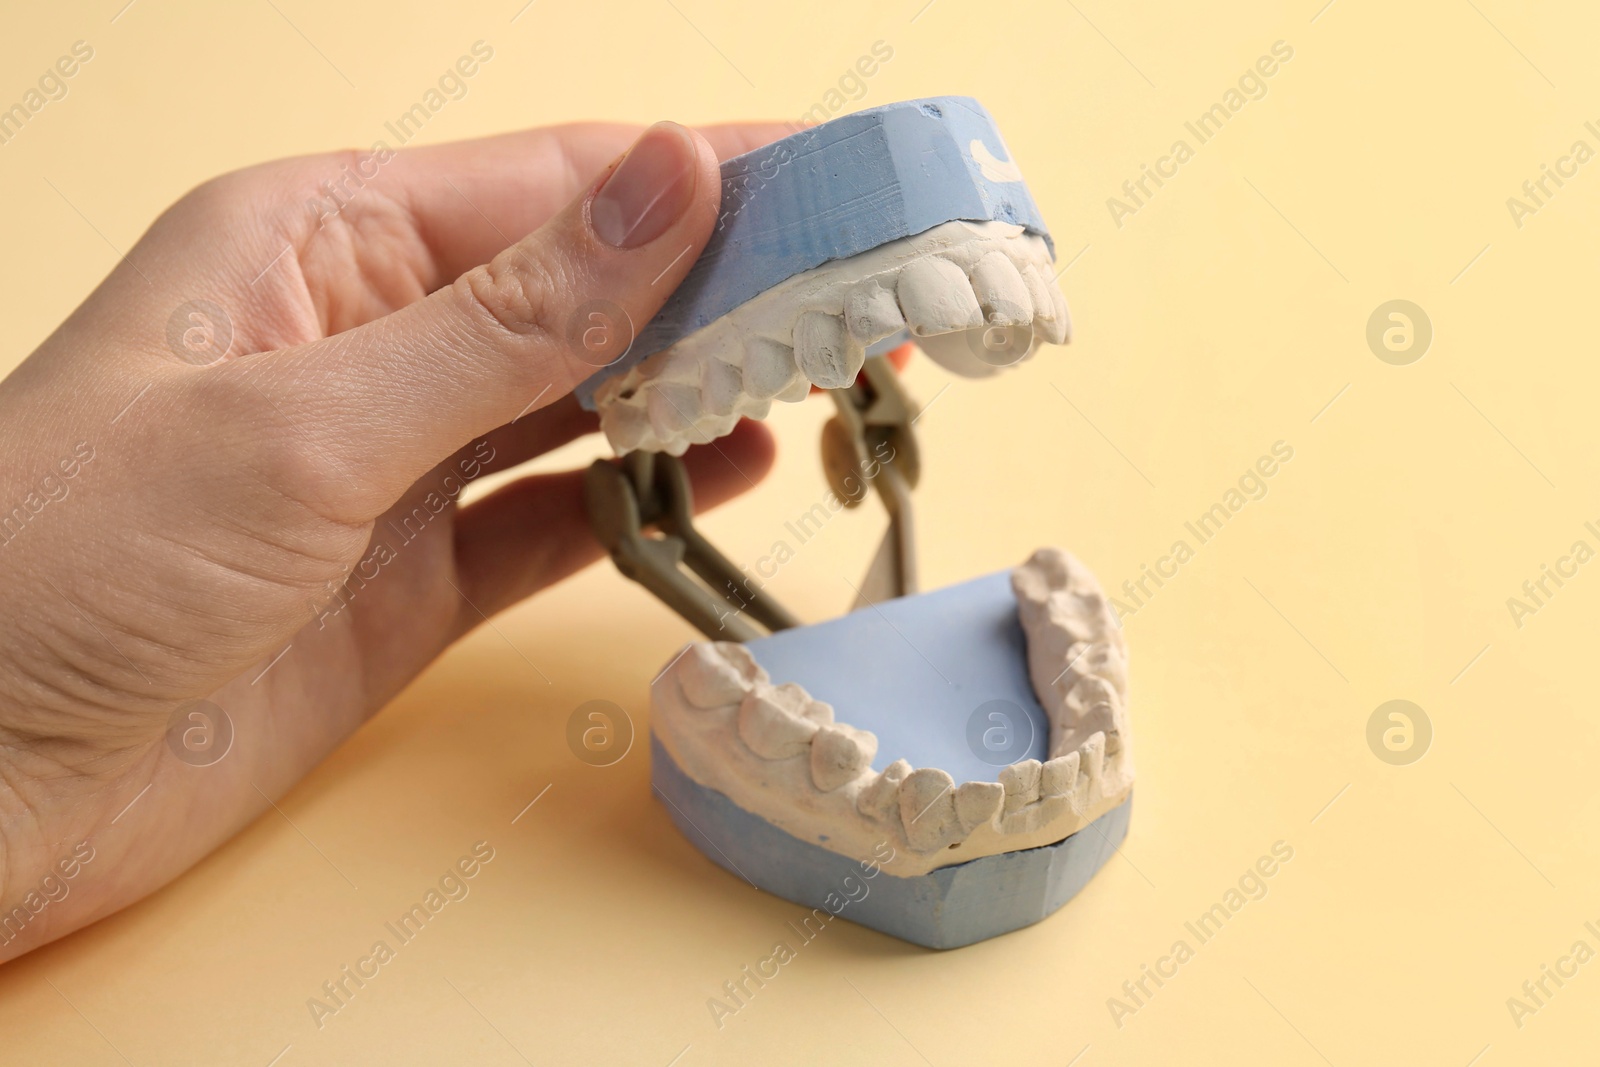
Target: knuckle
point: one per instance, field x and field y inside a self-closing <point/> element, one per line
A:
<point x="515" y="293"/>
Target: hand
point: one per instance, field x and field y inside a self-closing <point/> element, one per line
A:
<point x="278" y="532"/>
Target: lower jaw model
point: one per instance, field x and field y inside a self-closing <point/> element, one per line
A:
<point x="944" y="766"/>
<point x="775" y="787"/>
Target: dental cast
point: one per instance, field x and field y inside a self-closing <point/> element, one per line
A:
<point x="779" y="754"/>
<point x="980" y="289"/>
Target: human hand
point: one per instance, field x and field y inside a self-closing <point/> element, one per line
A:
<point x="278" y="532"/>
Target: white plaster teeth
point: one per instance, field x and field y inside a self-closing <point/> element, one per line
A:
<point x="928" y="809"/>
<point x="672" y="409"/>
<point x="721" y="386"/>
<point x="937" y="298"/>
<point x="880" y="795"/>
<point x="978" y="803"/>
<point x="770" y="723"/>
<point x="1021" y="783"/>
<point x="769" y="368"/>
<point x="941" y="284"/>
<point x="714" y="675"/>
<point x="778" y="752"/>
<point x="1049" y="306"/>
<point x="1059" y="777"/>
<point x="871" y="313"/>
<point x="825" y="351"/>
<point x="1001" y="294"/>
<point x="839" y="754"/>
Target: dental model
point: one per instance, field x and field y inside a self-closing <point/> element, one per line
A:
<point x="776" y="787"/>
<point x="837" y="243"/>
<point x="948" y="766"/>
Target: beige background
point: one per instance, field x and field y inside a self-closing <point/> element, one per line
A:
<point x="1228" y="313"/>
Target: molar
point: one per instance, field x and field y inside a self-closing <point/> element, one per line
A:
<point x="978" y="802"/>
<point x="878" y="796"/>
<point x="1093" y="752"/>
<point x="839" y="754"/>
<point x="1021" y="782"/>
<point x="928" y="809"/>
<point x="721" y="386"/>
<point x="710" y="680"/>
<point x="769" y="367"/>
<point x="769" y="727"/>
<point x="1059" y="777"/>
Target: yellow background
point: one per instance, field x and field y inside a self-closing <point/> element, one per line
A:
<point x="1222" y="317"/>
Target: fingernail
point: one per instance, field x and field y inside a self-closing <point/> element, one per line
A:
<point x="649" y="190"/>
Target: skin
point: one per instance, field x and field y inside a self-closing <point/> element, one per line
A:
<point x="398" y="349"/>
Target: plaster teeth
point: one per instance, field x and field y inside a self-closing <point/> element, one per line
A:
<point x="928" y="809"/>
<point x="672" y="408"/>
<point x="978" y="803"/>
<point x="626" y="425"/>
<point x="1062" y="319"/>
<point x="1059" y="777"/>
<point x="825" y="351"/>
<point x="776" y="751"/>
<point x="1049" y="316"/>
<point x="769" y="726"/>
<point x="879" y="796"/>
<point x="839" y="754"/>
<point x="1093" y="757"/>
<point x="721" y="386"/>
<point x="936" y="297"/>
<point x="713" y="678"/>
<point x="870" y="312"/>
<point x="1021" y="783"/>
<point x="796" y="391"/>
<point x="769" y="367"/>
<point x="1001" y="293"/>
<point x="953" y="278"/>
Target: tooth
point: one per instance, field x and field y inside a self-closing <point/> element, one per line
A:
<point x="673" y="408"/>
<point x="928" y="809"/>
<point x="1049" y="316"/>
<point x="795" y="391"/>
<point x="839" y="754"/>
<point x="720" y="387"/>
<point x="937" y="298"/>
<point x="1063" y="317"/>
<point x="870" y="312"/>
<point x="626" y="426"/>
<point x="819" y="712"/>
<point x="1021" y="782"/>
<point x="1093" y="703"/>
<point x="827" y="355"/>
<point x="1001" y="292"/>
<point x="709" y="680"/>
<point x="740" y="659"/>
<point x="878" y="796"/>
<point x="768" y="367"/>
<point x="770" y="729"/>
<point x="978" y="802"/>
<point x="1093" y="752"/>
<point x="1059" y="777"/>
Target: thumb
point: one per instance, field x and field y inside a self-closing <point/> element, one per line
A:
<point x="398" y="395"/>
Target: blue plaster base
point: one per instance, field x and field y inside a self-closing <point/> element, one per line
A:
<point x="946" y="908"/>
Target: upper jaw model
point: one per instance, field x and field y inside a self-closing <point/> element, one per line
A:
<point x="806" y="276"/>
